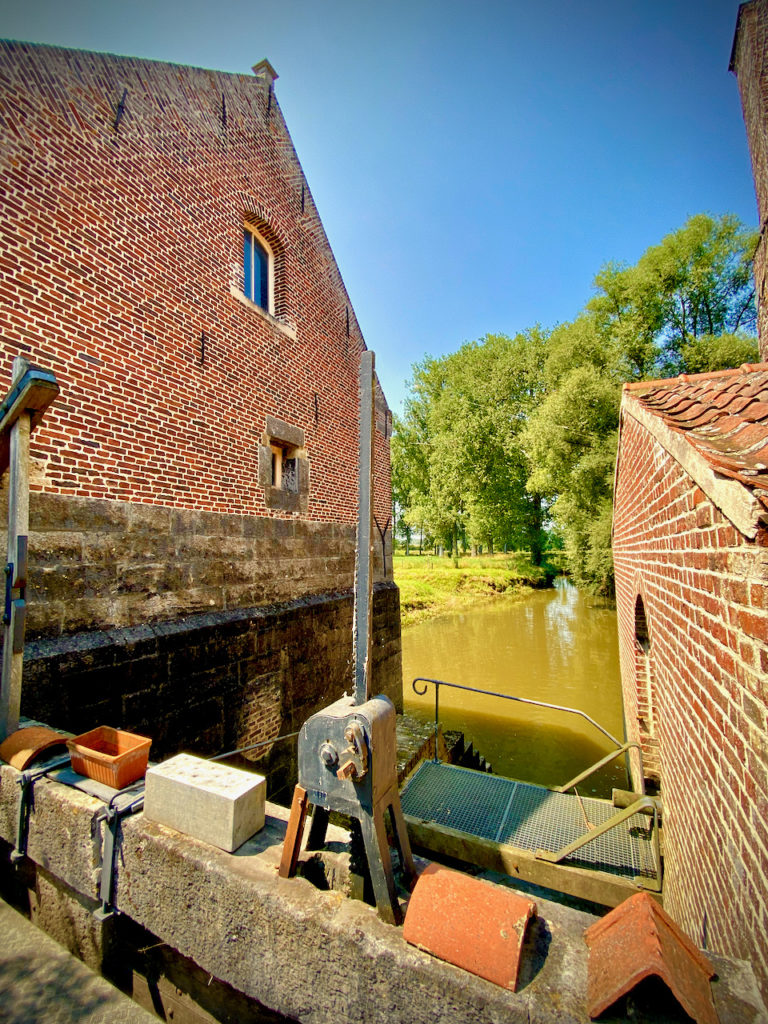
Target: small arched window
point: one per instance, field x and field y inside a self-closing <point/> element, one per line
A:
<point x="258" y="269"/>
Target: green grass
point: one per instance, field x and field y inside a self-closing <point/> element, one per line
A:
<point x="431" y="585"/>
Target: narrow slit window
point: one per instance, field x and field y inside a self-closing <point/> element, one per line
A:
<point x="642" y="634"/>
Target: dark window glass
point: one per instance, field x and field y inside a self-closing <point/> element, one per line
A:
<point x="247" y="264"/>
<point x="290" y="476"/>
<point x="255" y="270"/>
<point x="642" y="634"/>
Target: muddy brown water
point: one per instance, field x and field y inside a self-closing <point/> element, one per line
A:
<point x="558" y="646"/>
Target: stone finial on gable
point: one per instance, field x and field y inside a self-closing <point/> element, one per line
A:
<point x="265" y="72"/>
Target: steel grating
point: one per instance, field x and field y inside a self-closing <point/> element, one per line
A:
<point x="527" y="816"/>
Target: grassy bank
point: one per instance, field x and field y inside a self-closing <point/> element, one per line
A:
<point x="431" y="585"/>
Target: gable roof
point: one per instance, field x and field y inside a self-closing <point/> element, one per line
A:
<point x="716" y="426"/>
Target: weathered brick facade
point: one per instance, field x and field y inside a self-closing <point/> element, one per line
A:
<point x="749" y="60"/>
<point x="691" y="558"/>
<point x="692" y="596"/>
<point x="126" y="187"/>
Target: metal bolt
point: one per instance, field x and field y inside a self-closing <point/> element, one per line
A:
<point x="328" y="755"/>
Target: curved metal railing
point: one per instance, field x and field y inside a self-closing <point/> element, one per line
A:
<point x="621" y="748"/>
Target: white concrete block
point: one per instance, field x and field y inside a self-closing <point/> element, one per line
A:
<point x="220" y="805"/>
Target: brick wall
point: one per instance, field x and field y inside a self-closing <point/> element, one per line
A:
<point x="704" y="588"/>
<point x="749" y="61"/>
<point x="121" y="269"/>
<point x="121" y="247"/>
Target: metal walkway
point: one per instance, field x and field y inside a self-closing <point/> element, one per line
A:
<point x="528" y="817"/>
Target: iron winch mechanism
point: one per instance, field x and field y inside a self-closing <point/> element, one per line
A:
<point x="348" y="751"/>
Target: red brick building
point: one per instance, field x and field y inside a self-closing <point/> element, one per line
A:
<point x="691" y="559"/>
<point x="194" y="485"/>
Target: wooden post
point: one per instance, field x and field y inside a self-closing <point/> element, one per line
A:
<point x="32" y="391"/>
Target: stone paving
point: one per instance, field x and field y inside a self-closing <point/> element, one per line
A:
<point x="41" y="982"/>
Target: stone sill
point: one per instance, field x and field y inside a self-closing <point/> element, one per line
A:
<point x="288" y="331"/>
<point x="312" y="955"/>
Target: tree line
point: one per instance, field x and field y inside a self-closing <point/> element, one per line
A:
<point x="511" y="441"/>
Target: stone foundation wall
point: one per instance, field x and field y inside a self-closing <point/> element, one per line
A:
<point x="100" y="564"/>
<point x="205" y="631"/>
<point x="213" y="682"/>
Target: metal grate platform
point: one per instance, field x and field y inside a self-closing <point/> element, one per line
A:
<point x="527" y="817"/>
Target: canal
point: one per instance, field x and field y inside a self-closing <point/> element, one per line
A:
<point x="559" y="646"/>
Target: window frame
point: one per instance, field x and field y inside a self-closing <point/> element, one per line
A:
<point x="257" y="238"/>
<point x="279" y="442"/>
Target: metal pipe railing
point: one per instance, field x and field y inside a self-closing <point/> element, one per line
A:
<point x="437" y="683"/>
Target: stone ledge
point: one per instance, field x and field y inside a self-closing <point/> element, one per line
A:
<point x="314" y="956"/>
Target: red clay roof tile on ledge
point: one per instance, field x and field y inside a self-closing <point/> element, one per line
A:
<point x="723" y="415"/>
<point x="639" y="940"/>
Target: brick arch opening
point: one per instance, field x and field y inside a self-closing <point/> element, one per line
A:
<point x="647" y="712"/>
<point x="642" y="634"/>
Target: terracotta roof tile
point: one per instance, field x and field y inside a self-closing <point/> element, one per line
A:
<point x="723" y="415"/>
<point x="757" y="412"/>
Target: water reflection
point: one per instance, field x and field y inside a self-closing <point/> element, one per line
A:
<point x="557" y="646"/>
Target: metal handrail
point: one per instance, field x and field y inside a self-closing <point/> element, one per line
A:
<point x="437" y="683"/>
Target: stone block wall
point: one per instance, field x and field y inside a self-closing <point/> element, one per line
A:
<point x="216" y="681"/>
<point x="701" y="710"/>
<point x="204" y="631"/>
<point x="99" y="564"/>
<point x="749" y="60"/>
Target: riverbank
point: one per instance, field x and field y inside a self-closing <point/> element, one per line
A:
<point x="432" y="585"/>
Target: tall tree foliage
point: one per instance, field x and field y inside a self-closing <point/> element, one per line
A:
<point x="685" y="306"/>
<point x="508" y="432"/>
<point x="459" y="443"/>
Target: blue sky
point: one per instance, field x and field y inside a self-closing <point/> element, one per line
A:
<point x="474" y="164"/>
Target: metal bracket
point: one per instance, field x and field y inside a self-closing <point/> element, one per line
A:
<point x="26" y="780"/>
<point x="354" y="758"/>
<point x="18" y="625"/>
<point x="19" y="569"/>
<point x="644" y="803"/>
<point x="8" y="592"/>
<point x="112" y="816"/>
<point x="15" y="609"/>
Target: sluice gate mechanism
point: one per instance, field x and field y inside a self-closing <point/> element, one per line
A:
<point x="347" y="751"/>
<point x="595" y="849"/>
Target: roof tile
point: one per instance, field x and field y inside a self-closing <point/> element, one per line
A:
<point x="723" y="415"/>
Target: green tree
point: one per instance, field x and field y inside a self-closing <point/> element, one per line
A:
<point x="470" y="472"/>
<point x="571" y="442"/>
<point x="507" y="432"/>
<point x="685" y="306"/>
<point x="696" y="283"/>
